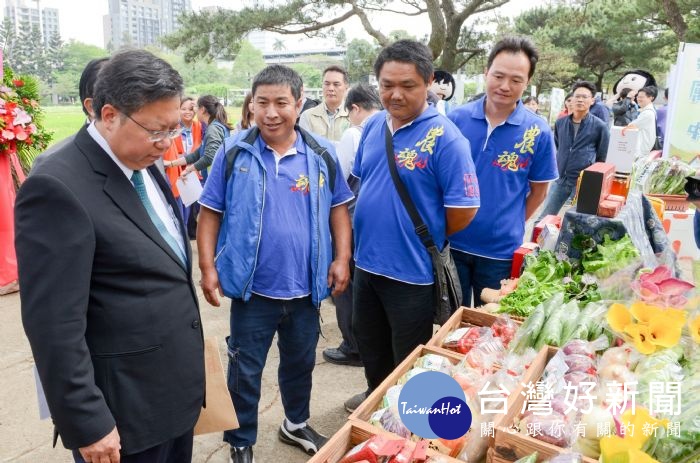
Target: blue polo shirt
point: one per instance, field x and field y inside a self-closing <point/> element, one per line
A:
<point x="519" y="151"/>
<point x="283" y="267"/>
<point x="434" y="162"/>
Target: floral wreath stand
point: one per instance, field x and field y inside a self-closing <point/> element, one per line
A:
<point x="21" y="138"/>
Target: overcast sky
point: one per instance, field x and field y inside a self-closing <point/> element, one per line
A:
<point x="82" y="19"/>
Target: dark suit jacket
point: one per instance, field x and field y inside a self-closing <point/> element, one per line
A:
<point x="110" y="312"/>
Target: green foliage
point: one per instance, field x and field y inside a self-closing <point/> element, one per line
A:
<point x="603" y="38"/>
<point x="219" y="33"/>
<point x="400" y="34"/>
<point x="311" y="75"/>
<point x="359" y="59"/>
<point x="248" y="63"/>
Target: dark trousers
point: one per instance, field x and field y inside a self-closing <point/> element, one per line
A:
<point x="477" y="273"/>
<point x="253" y="326"/>
<point x="178" y="450"/>
<point x="390" y="318"/>
<point x="343" y="314"/>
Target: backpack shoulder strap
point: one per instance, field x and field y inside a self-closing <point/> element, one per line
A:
<point x="233" y="152"/>
<point x="320" y="151"/>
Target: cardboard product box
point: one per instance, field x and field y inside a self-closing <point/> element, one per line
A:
<point x="519" y="258"/>
<point x="623" y="149"/>
<point x="547" y="240"/>
<point x="608" y="208"/>
<point x="549" y="219"/>
<point x="595" y="187"/>
<point x="618" y="198"/>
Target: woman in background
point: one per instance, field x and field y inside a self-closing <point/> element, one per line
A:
<point x="247" y="118"/>
<point x="186" y="143"/>
<point x="211" y="111"/>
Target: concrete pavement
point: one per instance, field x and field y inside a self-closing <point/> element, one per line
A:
<point x="24" y="438"/>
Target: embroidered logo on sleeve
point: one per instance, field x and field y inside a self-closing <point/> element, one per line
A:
<point x="410" y="158"/>
<point x="471" y="186"/>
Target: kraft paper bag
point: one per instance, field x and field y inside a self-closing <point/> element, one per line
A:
<point x="219" y="414"/>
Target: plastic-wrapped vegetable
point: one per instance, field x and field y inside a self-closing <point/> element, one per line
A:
<point x="571" y="321"/>
<point x="391" y="422"/>
<point x="467" y="339"/>
<point x="505" y="328"/>
<point x="567" y="458"/>
<point x="391" y="398"/>
<point x="410" y="374"/>
<point x="551" y="333"/>
<point x="528" y="459"/>
<point x="373" y="450"/>
<point x="668" y="177"/>
<point x="580" y="363"/>
<point x="434" y="362"/>
<point x="529" y="331"/>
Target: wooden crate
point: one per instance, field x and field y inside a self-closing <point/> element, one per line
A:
<point x="371" y="403"/>
<point x="509" y="445"/>
<point x="353" y="433"/>
<point x="464" y="316"/>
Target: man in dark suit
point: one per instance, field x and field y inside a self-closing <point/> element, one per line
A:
<point x="108" y="302"/>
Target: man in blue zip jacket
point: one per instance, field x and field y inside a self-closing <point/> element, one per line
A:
<point x="274" y="196"/>
<point x="581" y="139"/>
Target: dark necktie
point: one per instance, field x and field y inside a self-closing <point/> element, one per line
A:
<point x="137" y="180"/>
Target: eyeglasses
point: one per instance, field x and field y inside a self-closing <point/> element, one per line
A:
<point x="158" y="135"/>
<point x="581" y="97"/>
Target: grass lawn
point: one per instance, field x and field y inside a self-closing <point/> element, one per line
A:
<point x="63" y="121"/>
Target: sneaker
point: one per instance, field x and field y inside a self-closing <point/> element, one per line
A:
<point x="241" y="455"/>
<point x="353" y="402"/>
<point x="336" y="356"/>
<point x="306" y="438"/>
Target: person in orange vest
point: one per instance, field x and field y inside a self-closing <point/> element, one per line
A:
<point x="186" y="143"/>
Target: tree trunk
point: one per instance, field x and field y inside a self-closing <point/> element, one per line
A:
<point x="675" y="18"/>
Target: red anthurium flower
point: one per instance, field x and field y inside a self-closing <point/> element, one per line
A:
<point x="18" y="82"/>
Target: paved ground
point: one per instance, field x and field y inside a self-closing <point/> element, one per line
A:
<point x="24" y="438"/>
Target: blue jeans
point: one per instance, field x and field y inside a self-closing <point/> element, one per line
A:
<point x="560" y="191"/>
<point x="477" y="273"/>
<point x="253" y="326"/>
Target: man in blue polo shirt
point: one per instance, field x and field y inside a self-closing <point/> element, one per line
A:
<point x="514" y="155"/>
<point x="394" y="295"/>
<point x="264" y="239"/>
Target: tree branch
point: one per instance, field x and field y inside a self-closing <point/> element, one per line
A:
<point x="315" y="26"/>
<point x="381" y="38"/>
<point x="403" y="13"/>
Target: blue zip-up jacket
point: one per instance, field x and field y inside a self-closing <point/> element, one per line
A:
<point x="588" y="146"/>
<point x="241" y="225"/>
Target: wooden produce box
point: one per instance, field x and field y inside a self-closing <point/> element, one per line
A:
<point x="533" y="373"/>
<point x="464" y="316"/>
<point x="371" y="403"/>
<point x="353" y="433"/>
<point x="510" y="445"/>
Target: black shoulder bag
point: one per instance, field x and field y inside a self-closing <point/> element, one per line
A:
<point x="447" y="288"/>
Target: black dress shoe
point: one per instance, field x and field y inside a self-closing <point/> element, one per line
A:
<point x="338" y="357"/>
<point x="242" y="455"/>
